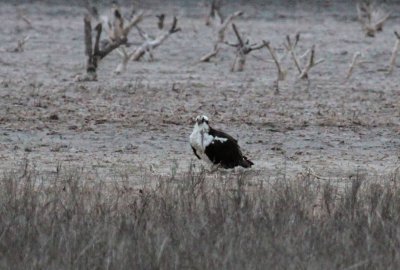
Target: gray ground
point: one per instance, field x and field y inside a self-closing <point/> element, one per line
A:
<point x="140" y="121"/>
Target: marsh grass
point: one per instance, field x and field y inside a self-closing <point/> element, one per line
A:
<point x="193" y="221"/>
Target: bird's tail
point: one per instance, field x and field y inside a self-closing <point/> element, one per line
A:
<point x="246" y="163"/>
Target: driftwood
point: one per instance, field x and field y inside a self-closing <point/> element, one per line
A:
<point x="371" y="16"/>
<point x="220" y="36"/>
<point x="242" y="50"/>
<point x="395" y="52"/>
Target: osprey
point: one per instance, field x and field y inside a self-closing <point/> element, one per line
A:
<point x="216" y="146"/>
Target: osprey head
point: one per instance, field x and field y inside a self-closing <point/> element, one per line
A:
<point x="202" y="119"/>
<point x="202" y="123"/>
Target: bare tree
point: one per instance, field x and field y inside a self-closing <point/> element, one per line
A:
<point x="220" y="36"/>
<point x="243" y="48"/>
<point x="371" y="16"/>
<point x="117" y="35"/>
<point x="303" y="71"/>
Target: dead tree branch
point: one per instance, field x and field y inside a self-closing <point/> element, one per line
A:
<point x="290" y="47"/>
<point x="91" y="9"/>
<point x="220" y="36"/>
<point x="395" y="52"/>
<point x="281" y="72"/>
<point x="242" y="50"/>
<point x="150" y="44"/>
<point x="117" y="30"/>
<point x="160" y="22"/>
<point x="215" y="9"/>
<point x="353" y="64"/>
<point x="117" y="34"/>
<point x="371" y="16"/>
<point x="311" y="63"/>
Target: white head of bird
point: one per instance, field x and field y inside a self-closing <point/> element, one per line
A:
<point x="202" y="123"/>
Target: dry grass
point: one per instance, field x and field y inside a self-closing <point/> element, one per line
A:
<point x="193" y="221"/>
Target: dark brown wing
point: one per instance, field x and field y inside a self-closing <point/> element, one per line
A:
<point x="226" y="153"/>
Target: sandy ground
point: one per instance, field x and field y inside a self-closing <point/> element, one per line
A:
<point x="123" y="126"/>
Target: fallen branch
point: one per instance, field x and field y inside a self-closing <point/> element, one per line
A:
<point x="395" y="52"/>
<point x="356" y="56"/>
<point x="208" y="56"/>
